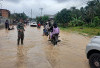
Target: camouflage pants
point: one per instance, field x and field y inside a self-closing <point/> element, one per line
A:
<point x="20" y="37"/>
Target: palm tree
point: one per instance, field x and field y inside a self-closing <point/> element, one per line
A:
<point x="91" y="9"/>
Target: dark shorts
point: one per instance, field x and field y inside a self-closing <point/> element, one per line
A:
<point x="20" y="34"/>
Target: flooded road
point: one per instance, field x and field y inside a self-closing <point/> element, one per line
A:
<point x="38" y="52"/>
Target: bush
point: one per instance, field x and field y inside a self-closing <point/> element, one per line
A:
<point x="76" y="22"/>
<point x="98" y="33"/>
<point x="95" y="22"/>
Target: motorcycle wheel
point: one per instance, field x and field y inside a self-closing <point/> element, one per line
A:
<point x="54" y="41"/>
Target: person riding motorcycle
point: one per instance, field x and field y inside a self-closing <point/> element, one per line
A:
<point x="45" y="30"/>
<point x="55" y="30"/>
<point x="39" y="25"/>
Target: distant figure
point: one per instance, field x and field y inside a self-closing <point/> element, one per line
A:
<point x="7" y="24"/>
<point x="39" y="25"/>
<point x="20" y="28"/>
<point x="25" y="22"/>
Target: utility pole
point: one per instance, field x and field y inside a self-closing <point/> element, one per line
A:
<point x="41" y="10"/>
<point x="14" y="14"/>
<point x="31" y="13"/>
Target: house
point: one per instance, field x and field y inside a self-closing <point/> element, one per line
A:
<point x="4" y="13"/>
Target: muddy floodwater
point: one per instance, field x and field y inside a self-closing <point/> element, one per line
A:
<point x="38" y="52"/>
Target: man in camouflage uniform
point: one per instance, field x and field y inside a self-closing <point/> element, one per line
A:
<point x="20" y="28"/>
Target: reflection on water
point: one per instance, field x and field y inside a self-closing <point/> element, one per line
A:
<point x="52" y="53"/>
<point x="20" y="57"/>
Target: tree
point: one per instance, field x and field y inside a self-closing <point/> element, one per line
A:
<point x="63" y="17"/>
<point x="42" y="19"/>
<point x="75" y="12"/>
<point x="18" y="16"/>
<point x="96" y="22"/>
<point x="45" y="19"/>
<point x="38" y="19"/>
<point x="88" y="16"/>
<point x="76" y="22"/>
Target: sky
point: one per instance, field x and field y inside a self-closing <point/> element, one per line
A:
<point x="50" y="7"/>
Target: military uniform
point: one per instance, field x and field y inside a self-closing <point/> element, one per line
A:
<point x="20" y="28"/>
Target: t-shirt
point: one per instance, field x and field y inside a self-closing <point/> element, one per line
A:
<point x="20" y="26"/>
<point x="56" y="31"/>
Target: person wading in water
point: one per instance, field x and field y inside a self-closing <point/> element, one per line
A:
<point x="20" y="28"/>
<point x="7" y="24"/>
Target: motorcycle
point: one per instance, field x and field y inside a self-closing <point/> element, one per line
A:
<point x="46" y="32"/>
<point x="38" y="26"/>
<point x="54" y="39"/>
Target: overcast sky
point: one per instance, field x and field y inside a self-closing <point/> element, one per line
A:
<point x="50" y="6"/>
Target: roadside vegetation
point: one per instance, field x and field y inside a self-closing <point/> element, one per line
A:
<point x="86" y="31"/>
<point x="84" y="20"/>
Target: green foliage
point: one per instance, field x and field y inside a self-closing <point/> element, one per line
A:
<point x="96" y="21"/>
<point x="38" y="19"/>
<point x="88" y="16"/>
<point x="45" y="19"/>
<point x="76" y="22"/>
<point x="98" y="33"/>
<point x="18" y="16"/>
<point x="42" y="19"/>
<point x="63" y="17"/>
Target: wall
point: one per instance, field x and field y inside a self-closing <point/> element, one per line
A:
<point x="5" y="14"/>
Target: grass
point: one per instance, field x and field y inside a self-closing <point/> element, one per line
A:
<point x="90" y="31"/>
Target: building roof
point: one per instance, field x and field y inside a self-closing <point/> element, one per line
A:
<point x="5" y="10"/>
